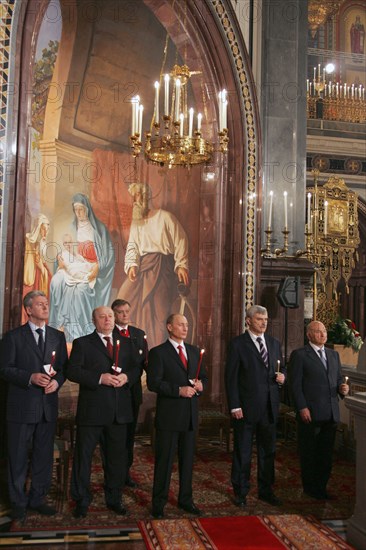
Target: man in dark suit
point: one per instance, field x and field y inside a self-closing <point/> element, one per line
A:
<point x="133" y="340"/>
<point x="315" y="384"/>
<point x="33" y="359"/>
<point x="173" y="373"/>
<point x="104" y="410"/>
<point x="253" y="376"/>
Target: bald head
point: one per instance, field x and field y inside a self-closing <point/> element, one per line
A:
<point x="103" y="319"/>
<point x="316" y="333"/>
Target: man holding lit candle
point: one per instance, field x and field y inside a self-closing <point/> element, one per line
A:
<point x="32" y="404"/>
<point x="315" y="383"/>
<point x="176" y="374"/>
<point x="104" y="410"/>
<point x="253" y="378"/>
<point x="133" y="343"/>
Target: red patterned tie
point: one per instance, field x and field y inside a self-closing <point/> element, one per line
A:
<point x="182" y="357"/>
<point x="109" y="346"/>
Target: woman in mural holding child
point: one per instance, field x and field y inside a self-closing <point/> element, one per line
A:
<point x="72" y="303"/>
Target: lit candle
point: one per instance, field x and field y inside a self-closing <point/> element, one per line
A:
<point x="181" y="124"/>
<point x="116" y="357"/>
<point x="190" y="127"/>
<point x="325" y="217"/>
<point x="309" y="211"/>
<point x="285" y="205"/>
<point x="278" y="366"/>
<point x="199" y="121"/>
<point x="136" y="123"/>
<point x="270" y="210"/>
<point x="166" y="96"/>
<point x="202" y="351"/>
<point x="157" y="86"/>
<point x="314" y="73"/>
<point x="346" y="379"/>
<point x="140" y="113"/>
<point x="177" y="99"/>
<point x="146" y="350"/>
<point x="53" y="358"/>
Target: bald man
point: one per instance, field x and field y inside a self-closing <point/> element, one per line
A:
<point x="104" y="410"/>
<point x="315" y="383"/>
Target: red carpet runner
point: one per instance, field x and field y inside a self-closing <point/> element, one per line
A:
<point x="293" y="532"/>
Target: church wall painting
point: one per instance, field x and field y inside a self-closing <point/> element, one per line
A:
<point x="86" y="232"/>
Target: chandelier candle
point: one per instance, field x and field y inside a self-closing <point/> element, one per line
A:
<point x="270" y="210"/>
<point x="285" y="205"/>
<point x="177" y="98"/>
<point x="156" y="102"/>
<point x="166" y="94"/>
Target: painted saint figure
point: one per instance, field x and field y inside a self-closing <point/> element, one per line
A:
<point x="156" y="261"/>
<point x="72" y="305"/>
<point x="357" y="35"/>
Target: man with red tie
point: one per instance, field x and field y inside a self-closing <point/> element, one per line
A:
<point x="104" y="410"/>
<point x="173" y="373"/>
<point x="133" y="343"/>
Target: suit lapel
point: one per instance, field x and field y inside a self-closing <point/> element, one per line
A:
<point x="97" y="342"/>
<point x="174" y="355"/>
<point x="31" y="341"/>
<point x="249" y="342"/>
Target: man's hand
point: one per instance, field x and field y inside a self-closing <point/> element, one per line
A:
<point x="237" y="414"/>
<point x="198" y="386"/>
<point x="305" y="415"/>
<point x="187" y="391"/>
<point x="182" y="274"/>
<point x="51" y="386"/>
<point x="40" y="379"/>
<point x="280" y="378"/>
<point x="113" y="380"/>
<point x="132" y="273"/>
<point x="344" y="389"/>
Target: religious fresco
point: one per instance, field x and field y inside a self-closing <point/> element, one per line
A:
<point x="99" y="224"/>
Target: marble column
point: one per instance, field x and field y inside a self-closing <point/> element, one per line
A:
<point x="282" y="97"/>
<point x="356" y="528"/>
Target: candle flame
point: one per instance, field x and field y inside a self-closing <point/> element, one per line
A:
<point x="53" y="354"/>
<point x="117" y="342"/>
<point x="202" y="350"/>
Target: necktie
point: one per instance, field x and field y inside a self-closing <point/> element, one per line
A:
<point x="263" y="351"/>
<point x="109" y="346"/>
<point x="39" y="331"/>
<point x="124" y="332"/>
<point x="323" y="358"/>
<point x="182" y="357"/>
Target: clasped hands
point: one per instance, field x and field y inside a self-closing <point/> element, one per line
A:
<point x="191" y="391"/>
<point x="117" y="381"/>
<point x="49" y="384"/>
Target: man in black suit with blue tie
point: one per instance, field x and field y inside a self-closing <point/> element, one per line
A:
<point x="315" y="384"/>
<point x="104" y="373"/>
<point x="173" y="373"/>
<point x="253" y="377"/>
<point x="33" y="359"/>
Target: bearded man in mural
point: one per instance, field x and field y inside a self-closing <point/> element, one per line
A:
<point x="156" y="261"/>
<point x="72" y="302"/>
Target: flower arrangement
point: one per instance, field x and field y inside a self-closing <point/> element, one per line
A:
<point x="343" y="331"/>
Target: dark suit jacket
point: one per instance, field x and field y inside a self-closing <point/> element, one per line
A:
<point x="98" y="404"/>
<point x="136" y="345"/>
<point x="312" y="386"/>
<point x="21" y="358"/>
<point x="165" y="375"/>
<point x="249" y="383"/>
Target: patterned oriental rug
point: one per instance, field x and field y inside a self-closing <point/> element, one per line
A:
<point x="293" y="532"/>
<point x="211" y="489"/>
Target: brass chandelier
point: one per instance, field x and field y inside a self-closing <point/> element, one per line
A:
<point x="175" y="135"/>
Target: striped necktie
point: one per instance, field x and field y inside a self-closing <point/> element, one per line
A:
<point x="323" y="358"/>
<point x="182" y="357"/>
<point x="263" y="351"/>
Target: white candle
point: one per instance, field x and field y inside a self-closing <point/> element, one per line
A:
<point x="337" y="88"/>
<point x="177" y="98"/>
<point x="285" y="205"/>
<point x="133" y="118"/>
<point x="181" y="124"/>
<point x="199" y="121"/>
<point x="224" y="108"/>
<point x="314" y="73"/>
<point x="270" y="210"/>
<point x="307" y="86"/>
<point x="220" y="111"/>
<point x="157" y="86"/>
<point x="325" y="217"/>
<point x="309" y="211"/>
<point x="190" y="126"/>
<point x="319" y="71"/>
<point x="166" y="97"/>
<point x="140" y="113"/>
<point x="135" y="102"/>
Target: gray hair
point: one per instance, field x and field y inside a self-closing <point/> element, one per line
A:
<point x="256" y="309"/>
<point x="28" y="298"/>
